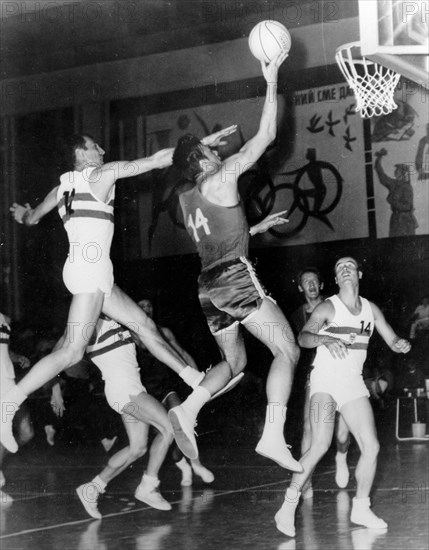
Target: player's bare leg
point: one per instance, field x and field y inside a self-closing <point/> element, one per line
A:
<point x="83" y="315"/>
<point x="119" y="307"/>
<point x="270" y="326"/>
<point x="322" y="429"/>
<point x="142" y="411"/>
<point x="359" y="417"/>
<point x="342" y="442"/>
<point x="183" y="417"/>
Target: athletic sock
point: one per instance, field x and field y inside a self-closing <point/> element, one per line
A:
<point x="191" y="376"/>
<point x="101" y="485"/>
<point x="151" y="481"/>
<point x="196" y="401"/>
<point x="275" y="417"/>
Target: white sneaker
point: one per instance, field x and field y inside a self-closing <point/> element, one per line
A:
<point x="6" y="434"/>
<point x="183" y="426"/>
<point x="88" y="494"/>
<point x="285" y="518"/>
<point x="186" y="470"/>
<point x="342" y="474"/>
<point x="2" y="480"/>
<point x="279" y="452"/>
<point x="363" y="515"/>
<point x="202" y="472"/>
<point x="149" y="494"/>
<point x="231" y="384"/>
<point x="50" y="435"/>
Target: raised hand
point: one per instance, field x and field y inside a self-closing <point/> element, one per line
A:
<point x="216" y="139"/>
<point x="270" y="70"/>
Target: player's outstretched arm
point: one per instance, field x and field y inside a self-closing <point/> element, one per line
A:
<point x="256" y="146"/>
<point x="395" y="343"/>
<point x="31" y="216"/>
<point x="385" y="180"/>
<point x="103" y="178"/>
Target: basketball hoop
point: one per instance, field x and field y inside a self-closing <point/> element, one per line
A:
<point x="374" y="87"/>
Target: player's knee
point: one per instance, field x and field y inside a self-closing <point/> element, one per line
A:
<point x="167" y="433"/>
<point x="319" y="447"/>
<point x="370" y="449"/>
<point x="137" y="450"/>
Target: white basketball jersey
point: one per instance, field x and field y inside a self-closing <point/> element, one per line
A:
<point x="112" y="349"/>
<point x="87" y="220"/>
<point x="354" y="330"/>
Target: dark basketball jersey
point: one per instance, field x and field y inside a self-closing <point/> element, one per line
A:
<point x="220" y="233"/>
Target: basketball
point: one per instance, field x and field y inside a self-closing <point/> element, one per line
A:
<point x="267" y="39"/>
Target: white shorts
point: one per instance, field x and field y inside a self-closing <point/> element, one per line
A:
<point x="87" y="277"/>
<point x="121" y="375"/>
<point x="342" y="386"/>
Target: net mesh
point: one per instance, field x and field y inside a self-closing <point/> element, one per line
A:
<point x="374" y="84"/>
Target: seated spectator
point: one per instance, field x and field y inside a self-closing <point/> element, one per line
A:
<point x="410" y="376"/>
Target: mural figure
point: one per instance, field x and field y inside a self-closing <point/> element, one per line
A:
<point x="400" y="197"/>
<point x="422" y="156"/>
<point x="397" y="125"/>
<point x="308" y="193"/>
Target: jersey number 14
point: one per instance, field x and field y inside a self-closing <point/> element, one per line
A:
<point x="200" y="221"/>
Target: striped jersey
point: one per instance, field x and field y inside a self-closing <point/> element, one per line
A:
<point x="6" y="364"/>
<point x="355" y="330"/>
<point x="87" y="220"/>
<point x="108" y="336"/>
<point x="220" y="233"/>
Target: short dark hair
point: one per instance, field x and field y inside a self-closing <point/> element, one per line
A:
<point x="358" y="263"/>
<point x="187" y="156"/>
<point x="73" y="142"/>
<point x="309" y="269"/>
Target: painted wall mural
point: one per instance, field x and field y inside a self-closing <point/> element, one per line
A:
<point x="400" y="143"/>
<point x="315" y="170"/>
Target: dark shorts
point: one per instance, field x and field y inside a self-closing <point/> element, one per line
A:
<point x="229" y="293"/>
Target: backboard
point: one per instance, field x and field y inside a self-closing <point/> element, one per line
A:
<point x="395" y="33"/>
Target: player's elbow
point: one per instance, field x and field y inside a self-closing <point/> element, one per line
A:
<point x="306" y="340"/>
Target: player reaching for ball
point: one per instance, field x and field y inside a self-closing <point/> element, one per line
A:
<point x="229" y="290"/>
<point x="85" y="202"/>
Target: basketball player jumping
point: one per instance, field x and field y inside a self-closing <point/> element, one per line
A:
<point x="85" y="200"/>
<point x="229" y="291"/>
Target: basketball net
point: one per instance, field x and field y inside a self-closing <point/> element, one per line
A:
<point x="373" y="86"/>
